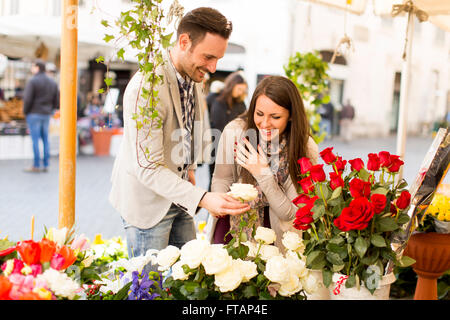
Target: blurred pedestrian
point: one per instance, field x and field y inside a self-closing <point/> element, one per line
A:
<point x="41" y="98"/>
<point x="214" y="91"/>
<point x="228" y="105"/>
<point x="326" y="112"/>
<point x="346" y="119"/>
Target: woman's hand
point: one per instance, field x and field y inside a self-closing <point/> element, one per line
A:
<point x="254" y="161"/>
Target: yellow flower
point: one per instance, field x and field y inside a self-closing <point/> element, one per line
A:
<point x="43" y="293"/>
<point x="201" y="226"/>
<point x="26" y="270"/>
<point x="98" y="239"/>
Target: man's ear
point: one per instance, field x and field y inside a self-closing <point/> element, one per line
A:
<point x="184" y="41"/>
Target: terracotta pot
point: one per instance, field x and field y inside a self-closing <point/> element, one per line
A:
<point x="102" y="141"/>
<point x="338" y="291"/>
<point x="432" y="254"/>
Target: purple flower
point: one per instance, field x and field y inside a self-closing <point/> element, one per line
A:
<point x="141" y="288"/>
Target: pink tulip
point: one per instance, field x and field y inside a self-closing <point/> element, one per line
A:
<point x="80" y="243"/>
<point x="57" y="261"/>
<point x="36" y="269"/>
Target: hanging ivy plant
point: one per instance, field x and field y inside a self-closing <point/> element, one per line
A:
<point x="309" y="73"/>
<point x="141" y="28"/>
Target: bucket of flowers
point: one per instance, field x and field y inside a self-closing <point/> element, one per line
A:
<point x="349" y="218"/>
<point x="242" y="269"/>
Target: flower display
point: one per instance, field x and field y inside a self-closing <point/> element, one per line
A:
<point x="350" y="217"/>
<point x="436" y="217"/>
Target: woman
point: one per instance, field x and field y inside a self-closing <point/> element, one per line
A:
<point x="262" y="148"/>
<point x="228" y="105"/>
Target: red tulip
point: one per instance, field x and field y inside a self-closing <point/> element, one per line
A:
<point x="48" y="248"/>
<point x="30" y="251"/>
<point x="68" y="255"/>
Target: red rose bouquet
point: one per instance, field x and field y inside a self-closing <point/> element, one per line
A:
<point x="349" y="217"/>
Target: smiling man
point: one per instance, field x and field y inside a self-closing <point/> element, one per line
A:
<point x="155" y="191"/>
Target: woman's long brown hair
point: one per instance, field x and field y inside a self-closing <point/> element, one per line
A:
<point x="283" y="92"/>
<point x="231" y="81"/>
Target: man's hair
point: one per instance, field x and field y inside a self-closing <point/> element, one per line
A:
<point x="40" y="64"/>
<point x="199" y="21"/>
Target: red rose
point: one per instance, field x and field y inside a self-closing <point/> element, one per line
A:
<point x="305" y="165"/>
<point x="374" y="162"/>
<point x="357" y="164"/>
<point x="306" y="184"/>
<point x="393" y="210"/>
<point x="396" y="163"/>
<point x="403" y="201"/>
<point x="30" y="251"/>
<point x="379" y="202"/>
<point x="385" y="159"/>
<point x="303" y="218"/>
<point x="356" y="216"/>
<point x="317" y="173"/>
<point x="327" y="155"/>
<point x="340" y="164"/>
<point x="359" y="188"/>
<point x="302" y="198"/>
<point x="336" y="180"/>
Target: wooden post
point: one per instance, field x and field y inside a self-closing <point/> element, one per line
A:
<point x="68" y="113"/>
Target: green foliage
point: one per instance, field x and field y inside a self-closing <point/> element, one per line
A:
<point x="309" y="73"/>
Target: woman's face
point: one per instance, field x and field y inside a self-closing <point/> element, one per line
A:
<point x="239" y="91"/>
<point x="270" y="118"/>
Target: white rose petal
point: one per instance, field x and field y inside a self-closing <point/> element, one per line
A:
<point x="310" y="283"/>
<point x="252" y="248"/>
<point x="59" y="283"/>
<point x="248" y="269"/>
<point x="290" y="287"/>
<point x="167" y="257"/>
<point x="243" y="191"/>
<point x="230" y="278"/>
<point x="178" y="272"/>
<point x="292" y="241"/>
<point x="268" y="251"/>
<point x="265" y="235"/>
<point x="296" y="265"/>
<point x="193" y="252"/>
<point x="216" y="260"/>
<point x="277" y="270"/>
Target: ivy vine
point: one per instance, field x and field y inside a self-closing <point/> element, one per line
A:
<point x="309" y="73"/>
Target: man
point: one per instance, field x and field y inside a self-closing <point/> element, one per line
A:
<point x="346" y="118"/>
<point x="41" y="97"/>
<point x="155" y="191"/>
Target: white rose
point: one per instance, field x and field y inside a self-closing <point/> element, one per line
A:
<point x="230" y="278"/>
<point x="292" y="241"/>
<point x="296" y="265"/>
<point x="277" y="270"/>
<point x="265" y="235"/>
<point x="248" y="269"/>
<point x="243" y="191"/>
<point x="193" y="252"/>
<point x="167" y="257"/>
<point x="178" y="272"/>
<point x="290" y="287"/>
<point x="310" y="283"/>
<point x="252" y="248"/>
<point x="216" y="260"/>
<point x="268" y="251"/>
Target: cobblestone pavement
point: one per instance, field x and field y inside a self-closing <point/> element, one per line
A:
<point x="25" y="194"/>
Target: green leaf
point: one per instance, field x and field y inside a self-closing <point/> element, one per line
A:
<point x="316" y="260"/>
<point x="403" y="218"/>
<point x="361" y="246"/>
<point x="108" y="38"/>
<point x="327" y="276"/>
<point x="406" y="261"/>
<point x="122" y="294"/>
<point x="364" y="174"/>
<point x="378" y="241"/>
<point x="250" y="291"/>
<point x="120" y="53"/>
<point x="336" y="193"/>
<point x="334" y="258"/>
<point x="100" y="59"/>
<point x="351" y="281"/>
<point x="105" y="23"/>
<point x="108" y="81"/>
<point x="319" y="211"/>
<point x="387" y="224"/>
<point x="199" y="294"/>
<point x="101" y="90"/>
<point x="380" y="190"/>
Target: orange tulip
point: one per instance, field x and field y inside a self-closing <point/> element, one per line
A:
<point x="68" y="255"/>
<point x="30" y="296"/>
<point x="48" y="248"/>
<point x="29" y="251"/>
<point x="5" y="287"/>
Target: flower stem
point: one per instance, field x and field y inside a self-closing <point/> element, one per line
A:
<point x="315" y="233"/>
<point x="323" y="197"/>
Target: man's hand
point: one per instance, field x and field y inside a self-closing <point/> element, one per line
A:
<point x="191" y="176"/>
<point x="221" y="204"/>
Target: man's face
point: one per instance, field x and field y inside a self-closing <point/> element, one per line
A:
<point x="202" y="58"/>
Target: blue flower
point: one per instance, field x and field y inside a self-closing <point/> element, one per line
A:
<point x="141" y="289"/>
